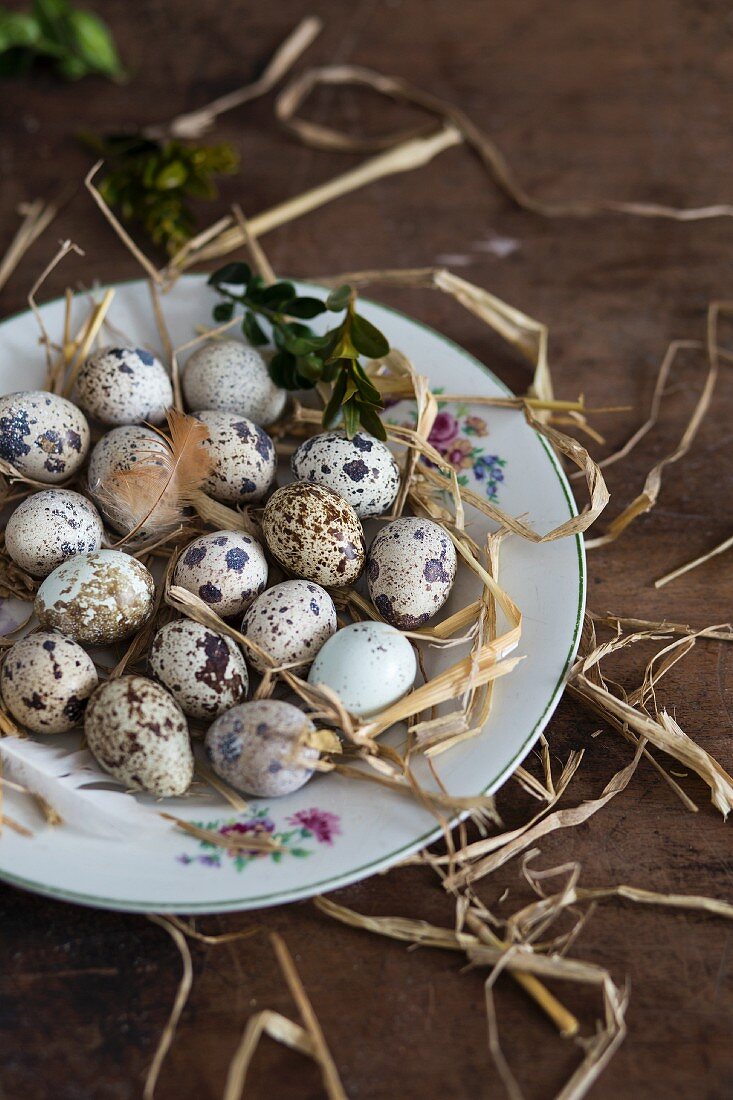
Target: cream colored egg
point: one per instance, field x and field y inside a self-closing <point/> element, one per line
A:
<point x="259" y="748"/>
<point x="232" y="377"/>
<point x="411" y="567"/>
<point x="314" y="534"/>
<point x="226" y="569"/>
<point x="204" y="671"/>
<point x="243" y="456"/>
<point x="46" y="680"/>
<point x="43" y="435"/>
<point x="119" y="450"/>
<point x="49" y="527"/>
<point x="290" y="622"/>
<point x="124" y="385"/>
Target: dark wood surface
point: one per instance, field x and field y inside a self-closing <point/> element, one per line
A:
<point x="624" y="100"/>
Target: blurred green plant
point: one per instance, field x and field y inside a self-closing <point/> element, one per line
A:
<point x="151" y="182"/>
<point x="76" y="42"/>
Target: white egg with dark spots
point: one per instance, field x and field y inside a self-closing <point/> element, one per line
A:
<point x="258" y="747"/>
<point x="119" y="450"/>
<point x="290" y="621"/>
<point x="124" y="385"/>
<point x="232" y="377"/>
<point x="97" y="598"/>
<point x="369" y="665"/>
<point x="361" y="470"/>
<point x="226" y="569"/>
<point x="46" y="680"/>
<point x="49" y="527"/>
<point x="411" y="567"/>
<point x="314" y="534"/>
<point x="243" y="455"/>
<point x="138" y="734"/>
<point x="204" y="671"/>
<point x="43" y="435"/>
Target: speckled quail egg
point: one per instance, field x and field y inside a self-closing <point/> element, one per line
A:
<point x="368" y="665"/>
<point x="204" y="671"/>
<point x="43" y="435"/>
<point x="49" y="527"/>
<point x="232" y="377"/>
<point x="97" y="598"/>
<point x="361" y="470"/>
<point x="257" y="747"/>
<point x="411" y="567"/>
<point x="226" y="569"/>
<point x="119" y="450"/>
<point x="290" y="621"/>
<point x="46" y="681"/>
<point x="124" y="385"/>
<point x="243" y="455"/>
<point x="314" y="534"/>
<point x="138" y="734"/>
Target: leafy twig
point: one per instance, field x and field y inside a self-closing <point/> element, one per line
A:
<point x="75" y="41"/>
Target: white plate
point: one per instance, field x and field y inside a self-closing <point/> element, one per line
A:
<point x="335" y="830"/>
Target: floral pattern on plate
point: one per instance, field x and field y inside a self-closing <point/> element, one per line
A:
<point x="306" y="825"/>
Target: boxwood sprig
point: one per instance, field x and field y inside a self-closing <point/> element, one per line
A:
<point x="302" y="358"/>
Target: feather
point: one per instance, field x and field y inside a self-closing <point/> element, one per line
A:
<point x="63" y="780"/>
<point x="157" y="489"/>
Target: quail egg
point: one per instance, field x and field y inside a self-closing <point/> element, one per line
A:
<point x="232" y="377"/>
<point x="243" y="455"/>
<point x="138" y="734"/>
<point x="204" y="671"/>
<point x="290" y="621"/>
<point x="314" y="534"/>
<point x="411" y="567"/>
<point x="226" y="569"/>
<point x="46" y="680"/>
<point x="43" y="435"/>
<point x="368" y="665"/>
<point x="119" y="450"/>
<point x="97" y="598"/>
<point x="124" y="385"/>
<point x="361" y="469"/>
<point x="49" y="527"/>
<point x="258" y="748"/>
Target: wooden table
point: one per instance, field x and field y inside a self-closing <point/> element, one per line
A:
<point x="619" y="100"/>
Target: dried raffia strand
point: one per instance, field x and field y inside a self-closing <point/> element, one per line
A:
<point x="149" y="268"/>
<point x="211" y="941"/>
<point x="182" y="994"/>
<point x="680" y="571"/>
<point x="279" y="1028"/>
<point x="82" y="349"/>
<point x="65" y="248"/>
<point x="37" y="216"/>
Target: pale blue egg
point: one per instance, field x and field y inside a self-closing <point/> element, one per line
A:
<point x="369" y="665"/>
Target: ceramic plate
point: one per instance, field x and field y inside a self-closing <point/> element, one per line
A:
<point x="334" y="831"/>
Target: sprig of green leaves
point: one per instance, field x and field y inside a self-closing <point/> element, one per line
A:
<point x="151" y="182"/>
<point x="302" y="359"/>
<point x="77" y="42"/>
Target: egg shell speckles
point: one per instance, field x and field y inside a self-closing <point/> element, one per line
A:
<point x="49" y="527"/>
<point x="226" y="569"/>
<point x="138" y="734"/>
<point x="361" y="470"/>
<point x="369" y="666"/>
<point x="119" y="450"/>
<point x="314" y="534"/>
<point x="97" y="598"/>
<point x="244" y="458"/>
<point x="46" y="680"/>
<point x="232" y="377"/>
<point x="124" y="385"/>
<point x="256" y="747"/>
<point x="411" y="567"/>
<point x="43" y="435"/>
<point x="290" y="621"/>
<point x="204" y="671"/>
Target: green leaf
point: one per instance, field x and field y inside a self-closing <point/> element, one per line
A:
<point x="338" y="299"/>
<point x="171" y="176"/>
<point x="366" y="388"/>
<point x="277" y="294"/>
<point x="94" y="44"/>
<point x="367" y="339"/>
<point x="252" y="330"/>
<point x="235" y="274"/>
<point x="282" y="370"/>
<point x="372" y="423"/>
<point x="310" y="367"/>
<point x="334" y="402"/>
<point x="306" y="307"/>
<point x="351" y="418"/>
<point x="223" y="311"/>
<point x="18" y="30"/>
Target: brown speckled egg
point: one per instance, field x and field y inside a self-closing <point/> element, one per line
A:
<point x="204" y="671"/>
<point x="119" y="450"/>
<point x="46" y="681"/>
<point x="138" y="734"/>
<point x="257" y="748"/>
<point x="314" y="534"/>
<point x="49" y="527"/>
<point x="243" y="455"/>
<point x="361" y="469"/>
<point x="232" y="377"/>
<point x="290" y="621"/>
<point x="411" y="567"/>
<point x="43" y="435"/>
<point x="227" y="569"/>
<point x="97" y="598"/>
<point x="124" y="385"/>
